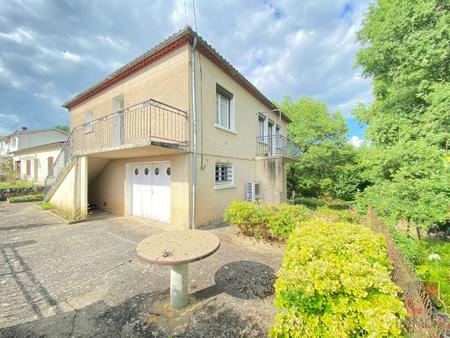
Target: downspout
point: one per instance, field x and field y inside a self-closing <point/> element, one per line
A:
<point x="194" y="131"/>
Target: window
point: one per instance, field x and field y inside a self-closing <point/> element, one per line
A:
<point x="88" y="117"/>
<point x="224" y="108"/>
<point x="224" y="174"/>
<point x="261" y="127"/>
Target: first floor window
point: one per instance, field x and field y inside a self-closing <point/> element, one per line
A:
<point x="224" y="174"/>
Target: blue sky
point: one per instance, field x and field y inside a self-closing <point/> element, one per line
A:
<point x="52" y="50"/>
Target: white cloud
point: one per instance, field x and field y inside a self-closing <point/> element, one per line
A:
<point x="356" y="141"/>
<point x="288" y="47"/>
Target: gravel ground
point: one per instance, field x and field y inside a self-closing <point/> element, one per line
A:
<point x="84" y="280"/>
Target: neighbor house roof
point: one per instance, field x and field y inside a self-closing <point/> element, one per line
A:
<point x="28" y="131"/>
<point x="183" y="37"/>
<point x="53" y="145"/>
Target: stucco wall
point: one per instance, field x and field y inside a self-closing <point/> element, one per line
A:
<point x="71" y="194"/>
<point x="33" y="139"/>
<point x="165" y="80"/>
<point x="238" y="147"/>
<point x="109" y="189"/>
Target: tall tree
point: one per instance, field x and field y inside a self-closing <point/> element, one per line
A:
<point x="406" y="51"/>
<point x="325" y="167"/>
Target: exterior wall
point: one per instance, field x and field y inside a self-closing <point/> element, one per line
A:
<point x="238" y="147"/>
<point x="109" y="190"/>
<point x="39" y="160"/>
<point x="165" y="80"/>
<point x="38" y="138"/>
<point x="71" y="194"/>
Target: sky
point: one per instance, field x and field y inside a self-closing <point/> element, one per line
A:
<point x="51" y="50"/>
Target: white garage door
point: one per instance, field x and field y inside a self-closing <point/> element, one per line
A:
<point x="151" y="191"/>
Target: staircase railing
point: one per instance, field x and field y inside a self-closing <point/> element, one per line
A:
<point x="147" y="123"/>
<point x="64" y="157"/>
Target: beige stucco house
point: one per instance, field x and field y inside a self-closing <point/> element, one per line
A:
<point x="174" y="136"/>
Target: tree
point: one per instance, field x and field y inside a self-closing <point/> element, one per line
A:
<point x="326" y="164"/>
<point x="65" y="129"/>
<point x="406" y="53"/>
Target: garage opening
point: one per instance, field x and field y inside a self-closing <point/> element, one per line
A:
<point x="150" y="191"/>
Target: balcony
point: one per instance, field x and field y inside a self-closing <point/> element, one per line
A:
<point x="149" y="123"/>
<point x="276" y="146"/>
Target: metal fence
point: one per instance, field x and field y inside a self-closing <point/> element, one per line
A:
<point x="423" y="320"/>
<point x="148" y="123"/>
<point x="276" y="145"/>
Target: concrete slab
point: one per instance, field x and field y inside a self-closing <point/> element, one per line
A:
<point x="84" y="280"/>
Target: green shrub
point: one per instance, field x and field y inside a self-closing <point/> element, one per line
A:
<point x="19" y="185"/>
<point x="436" y="272"/>
<point x="25" y="198"/>
<point x="331" y="215"/>
<point x="335" y="282"/>
<point x="265" y="221"/>
<point x="310" y="202"/>
<point x="46" y="206"/>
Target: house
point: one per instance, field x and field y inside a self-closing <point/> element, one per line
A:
<point x="32" y="151"/>
<point x="174" y="136"/>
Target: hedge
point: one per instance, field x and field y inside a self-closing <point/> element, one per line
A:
<point x="26" y="198"/>
<point x="265" y="221"/>
<point x="335" y="282"/>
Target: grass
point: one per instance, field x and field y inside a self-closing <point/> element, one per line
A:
<point x="18" y="185"/>
<point x="314" y="203"/>
<point x="46" y="206"/>
<point x="25" y="198"/>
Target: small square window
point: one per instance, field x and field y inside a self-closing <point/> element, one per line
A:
<point x="224" y="174"/>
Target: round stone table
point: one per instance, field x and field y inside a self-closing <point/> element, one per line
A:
<point x="178" y="249"/>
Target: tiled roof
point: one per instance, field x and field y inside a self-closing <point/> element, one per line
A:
<point x="172" y="43"/>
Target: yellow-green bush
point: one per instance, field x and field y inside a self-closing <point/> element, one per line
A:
<point x="265" y="221"/>
<point x="335" y="282"/>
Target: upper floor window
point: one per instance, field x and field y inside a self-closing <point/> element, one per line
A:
<point x="88" y="117"/>
<point x="261" y="126"/>
<point x="224" y="108"/>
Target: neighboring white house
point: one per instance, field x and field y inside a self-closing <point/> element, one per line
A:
<point x="33" y="164"/>
<point x="33" y="151"/>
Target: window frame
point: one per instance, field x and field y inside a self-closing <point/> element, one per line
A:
<point x="261" y="127"/>
<point x="88" y="123"/>
<point x="223" y="94"/>
<point x="219" y="184"/>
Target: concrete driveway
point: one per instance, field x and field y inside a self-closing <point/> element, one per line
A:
<point x="84" y="280"/>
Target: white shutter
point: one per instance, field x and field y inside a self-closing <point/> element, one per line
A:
<point x="232" y="114"/>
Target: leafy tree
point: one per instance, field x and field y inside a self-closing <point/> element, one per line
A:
<point x="65" y="129"/>
<point x="406" y="52"/>
<point x="325" y="167"/>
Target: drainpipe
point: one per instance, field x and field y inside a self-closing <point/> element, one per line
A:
<point x="194" y="131"/>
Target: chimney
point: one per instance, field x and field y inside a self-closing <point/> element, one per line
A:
<point x="24" y="128"/>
